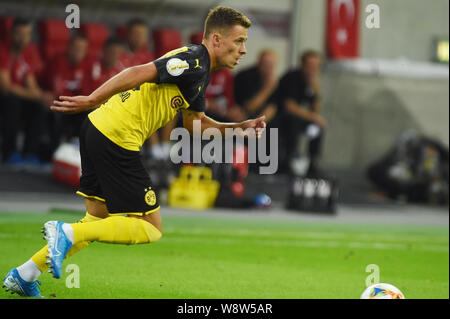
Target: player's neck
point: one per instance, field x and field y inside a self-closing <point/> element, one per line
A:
<point x="212" y="57"/>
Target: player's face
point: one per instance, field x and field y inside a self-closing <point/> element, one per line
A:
<point x="231" y="47"/>
<point x="21" y="36"/>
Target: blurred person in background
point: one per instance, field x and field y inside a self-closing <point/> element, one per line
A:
<point x="109" y="64"/>
<point x="137" y="51"/>
<point x="299" y="97"/>
<point x="256" y="90"/>
<point x="158" y="145"/>
<point x="220" y="102"/>
<point x="255" y="87"/>
<point x="71" y="73"/>
<point x="23" y="102"/>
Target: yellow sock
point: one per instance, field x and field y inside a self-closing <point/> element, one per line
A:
<point x="117" y="230"/>
<point x="40" y="258"/>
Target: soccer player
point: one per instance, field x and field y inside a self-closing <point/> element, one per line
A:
<point x="122" y="207"/>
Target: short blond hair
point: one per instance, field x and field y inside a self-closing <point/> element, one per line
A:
<point x="222" y="18"/>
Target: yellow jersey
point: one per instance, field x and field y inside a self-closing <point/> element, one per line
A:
<point x="129" y="118"/>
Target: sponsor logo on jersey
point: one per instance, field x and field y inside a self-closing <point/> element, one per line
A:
<point x="176" y="102"/>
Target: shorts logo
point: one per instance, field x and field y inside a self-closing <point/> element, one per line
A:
<point x="176" y="102"/>
<point x="176" y="67"/>
<point x="150" y="197"/>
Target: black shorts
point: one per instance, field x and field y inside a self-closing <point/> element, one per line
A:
<point x="114" y="175"/>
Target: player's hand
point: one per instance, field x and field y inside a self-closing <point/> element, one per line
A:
<point x="73" y="104"/>
<point x="320" y="120"/>
<point x="270" y="82"/>
<point x="257" y="125"/>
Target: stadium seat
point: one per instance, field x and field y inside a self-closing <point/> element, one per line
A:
<point x="5" y="27"/>
<point x="97" y="34"/>
<point x="196" y="38"/>
<point x="54" y="37"/>
<point x="166" y="40"/>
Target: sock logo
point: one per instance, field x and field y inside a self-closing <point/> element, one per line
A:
<point x="150" y="196"/>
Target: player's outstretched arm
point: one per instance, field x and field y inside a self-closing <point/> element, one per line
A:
<point x="123" y="81"/>
<point x="256" y="126"/>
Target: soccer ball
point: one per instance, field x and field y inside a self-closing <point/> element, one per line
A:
<point x="382" y="291"/>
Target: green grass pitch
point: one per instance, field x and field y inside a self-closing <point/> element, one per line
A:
<point x="222" y="258"/>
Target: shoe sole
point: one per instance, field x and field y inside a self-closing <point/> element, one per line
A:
<point x="13" y="289"/>
<point x="50" y="230"/>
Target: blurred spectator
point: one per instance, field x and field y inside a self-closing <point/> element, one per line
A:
<point x="255" y="88"/>
<point x="109" y="64"/>
<point x="138" y="45"/>
<point x="158" y="145"/>
<point x="256" y="91"/>
<point x="70" y="75"/>
<point x="220" y="103"/>
<point x="71" y="70"/>
<point x="22" y="100"/>
<point x="299" y="97"/>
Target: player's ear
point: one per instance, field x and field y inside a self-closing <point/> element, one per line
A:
<point x="216" y="39"/>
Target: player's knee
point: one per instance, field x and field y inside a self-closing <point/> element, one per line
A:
<point x="156" y="236"/>
<point x="154" y="232"/>
<point x="151" y="227"/>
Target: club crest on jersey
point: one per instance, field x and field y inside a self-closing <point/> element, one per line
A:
<point x="150" y="197"/>
<point x="176" y="67"/>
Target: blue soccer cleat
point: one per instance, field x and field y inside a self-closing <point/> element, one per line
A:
<point x="58" y="246"/>
<point x="15" y="284"/>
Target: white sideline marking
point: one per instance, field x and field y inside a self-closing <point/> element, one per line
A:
<point x="300" y="234"/>
<point x="328" y="244"/>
